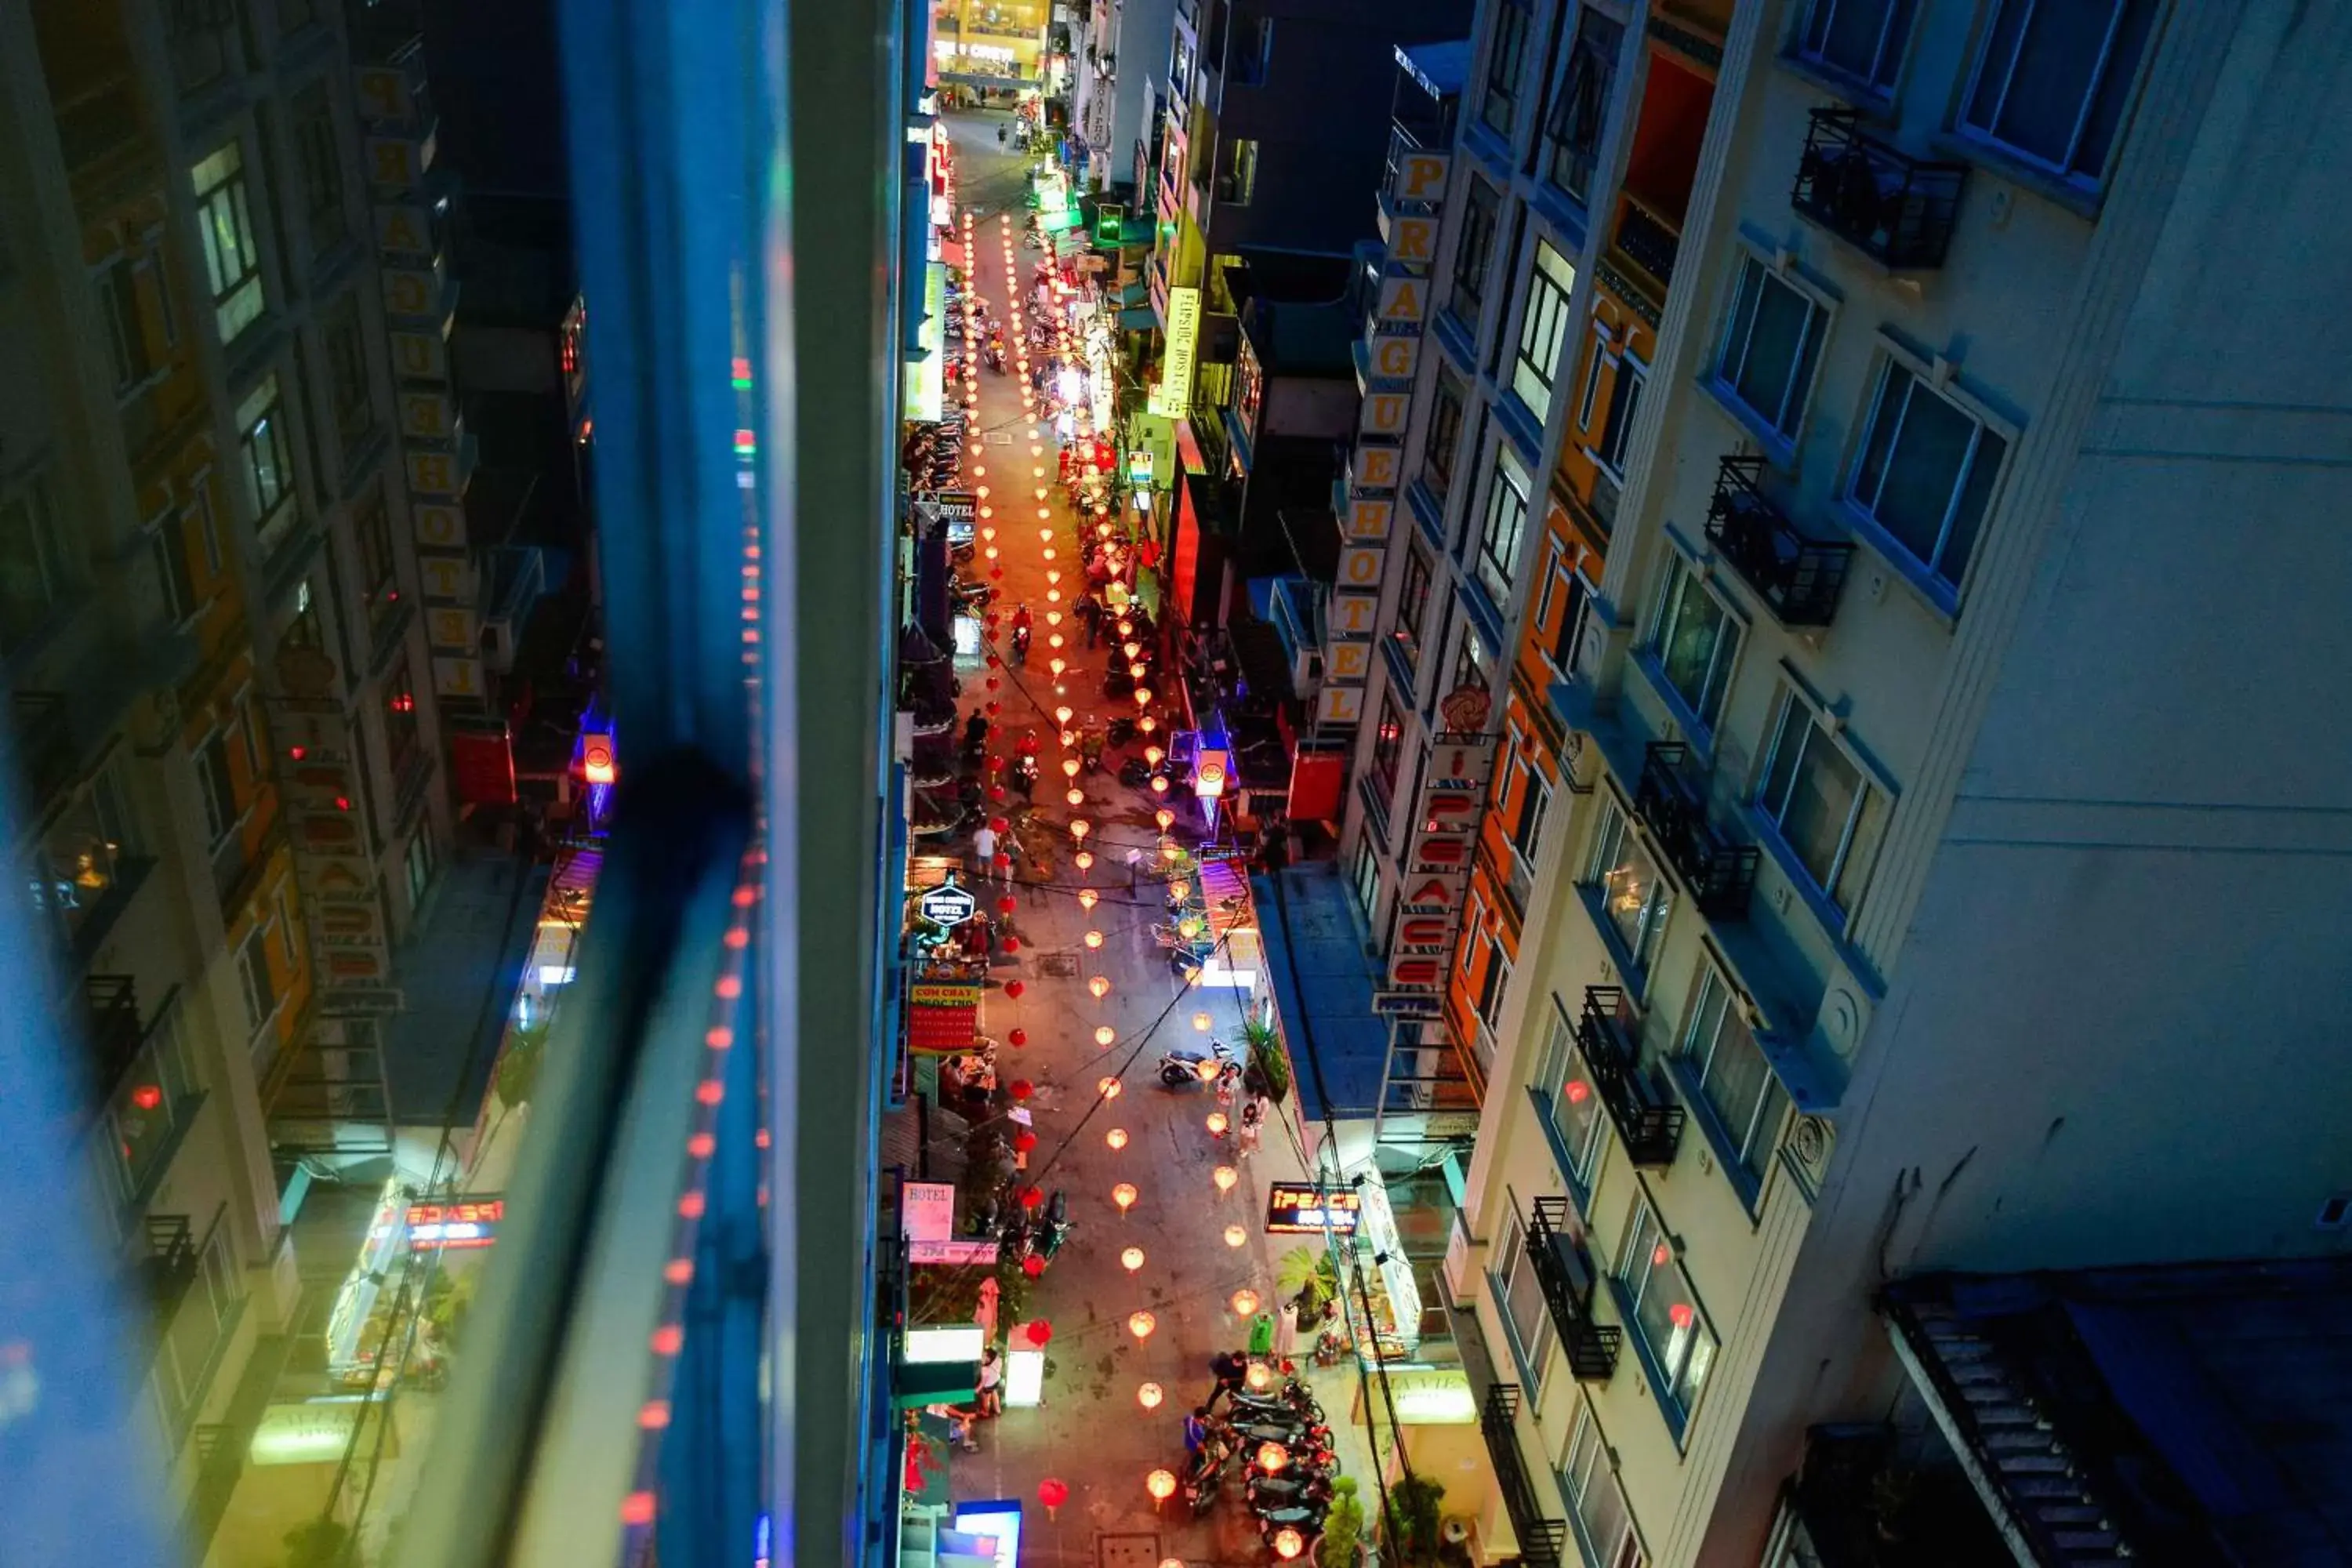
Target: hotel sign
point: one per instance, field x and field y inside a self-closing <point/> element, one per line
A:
<point x="1445" y="842"/>
<point x="1303" y="1208"/>
<point x="1421" y="177"/>
<point x="1173" y="396"/>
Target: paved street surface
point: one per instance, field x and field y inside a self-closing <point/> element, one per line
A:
<point x="1091" y="1432"/>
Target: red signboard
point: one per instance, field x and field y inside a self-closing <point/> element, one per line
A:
<point x="1315" y="778"/>
<point x="483" y="762"/>
<point x="1185" y="566"/>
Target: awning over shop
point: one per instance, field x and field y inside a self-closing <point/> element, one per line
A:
<point x="1315" y="956"/>
<point x="1138" y="319"/>
<point x="1129" y="295"/>
<point x="1227" y="896"/>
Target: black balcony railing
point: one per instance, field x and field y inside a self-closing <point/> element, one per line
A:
<point x="1647" y="242"/>
<point x="1887" y="204"/>
<point x="1644" y="1114"/>
<point x="1543" y="1542"/>
<point x="168" y="1265"/>
<point x="1798" y="578"/>
<point x="111" y="1017"/>
<point x="1566" y="1274"/>
<point x="1721" y="874"/>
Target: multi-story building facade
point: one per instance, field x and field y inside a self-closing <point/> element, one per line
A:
<point x="1111" y="108"/>
<point x="990" y="46"/>
<point x="225" y="690"/>
<point x="1848" y="911"/>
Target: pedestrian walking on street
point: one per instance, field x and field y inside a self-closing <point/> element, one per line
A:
<point x="1253" y="1121"/>
<point x="983" y="849"/>
<point x="992" y="1379"/>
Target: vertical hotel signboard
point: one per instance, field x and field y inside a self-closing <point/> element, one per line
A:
<point x="1387" y="361"/>
<point x="1173" y="396"/>
<point x="1445" y="842"/>
<point x="419" y="308"/>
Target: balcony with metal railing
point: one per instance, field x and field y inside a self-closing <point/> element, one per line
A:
<point x="1721" y="874"/>
<point x="113" y="1029"/>
<point x="1644" y="1111"/>
<point x="1567" y="1277"/>
<point x="1897" y="209"/>
<point x="1798" y="578"/>
<point x="1649" y="240"/>
<point x="1543" y="1540"/>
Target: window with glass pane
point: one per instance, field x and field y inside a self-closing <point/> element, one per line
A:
<point x="1572" y="616"/>
<point x="2054" y="81"/>
<point x="1635" y="897"/>
<point x="1863" y="39"/>
<point x="1520" y="1296"/>
<point x="1579" y="104"/>
<point x="317" y="160"/>
<point x="1575" y="1113"/>
<point x="1666" y="1314"/>
<point x="1413" y="603"/>
<point x="379" y="568"/>
<point x="1926" y="473"/>
<point x="1506" y="526"/>
<point x="347" y="372"/>
<point x="1506" y="55"/>
<point x="1617" y="430"/>
<point x="143" y="1109"/>
<point x="253" y="976"/>
<point x="1388" y="745"/>
<point x="1588" y="1479"/>
<point x="1469" y="661"/>
<point x="231" y="259"/>
<point x="1491" y="987"/>
<point x="1695" y="641"/>
<point x="400" y="715"/>
<point x="1769" y="346"/>
<point x="1531" y="814"/>
<point x="1543" y="330"/>
<point x="79" y="854"/>
<point x="1444" y="433"/>
<point x="31" y="567"/>
<point x="1824" y="810"/>
<point x="1721" y="1056"/>
<point x="216" y="787"/>
<point x="126" y="332"/>
<point x="268" y="453"/>
<point x="1481" y="211"/>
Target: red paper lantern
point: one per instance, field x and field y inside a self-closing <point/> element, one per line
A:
<point x="995" y="572"/>
<point x="996" y="764"/>
<point x="1021" y="1088"/>
<point x="1017" y="1038"/>
<point x="1053" y="1493"/>
<point x="1005" y="906"/>
<point x="1041" y="1333"/>
<point x="997" y="824"/>
<point x="1032" y="1266"/>
<point x="1013" y="988"/>
<point x="1025" y="1140"/>
<point x="1002" y="861"/>
<point x="991" y="708"/>
<point x="1012" y="944"/>
<point x="1579" y="1092"/>
<point x="1032" y="1197"/>
<point x="1681" y="1315"/>
<point x="992" y="683"/>
<point x="996" y="792"/>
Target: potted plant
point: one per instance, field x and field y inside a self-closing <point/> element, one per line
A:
<point x="1413" y="1511"/>
<point x="1307" y="1275"/>
<point x="1265" y="1054"/>
<point x="1342" y="1543"/>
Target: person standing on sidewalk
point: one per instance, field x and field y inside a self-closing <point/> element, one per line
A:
<point x="1253" y="1120"/>
<point x="983" y="849"/>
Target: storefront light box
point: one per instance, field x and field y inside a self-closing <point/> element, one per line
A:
<point x="944" y="1343"/>
<point x="1302" y="1208"/>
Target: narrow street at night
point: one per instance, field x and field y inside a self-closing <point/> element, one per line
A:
<point x="1103" y="1120"/>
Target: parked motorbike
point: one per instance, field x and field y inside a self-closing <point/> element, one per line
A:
<point x="1055" y="1228"/>
<point x="1182" y="1069"/>
<point x="1024" y="773"/>
<point x="1307" y="1521"/>
<point x="1119" y="731"/>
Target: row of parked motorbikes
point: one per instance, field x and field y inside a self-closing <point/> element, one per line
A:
<point x="1280" y="1446"/>
<point x="933" y="455"/>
